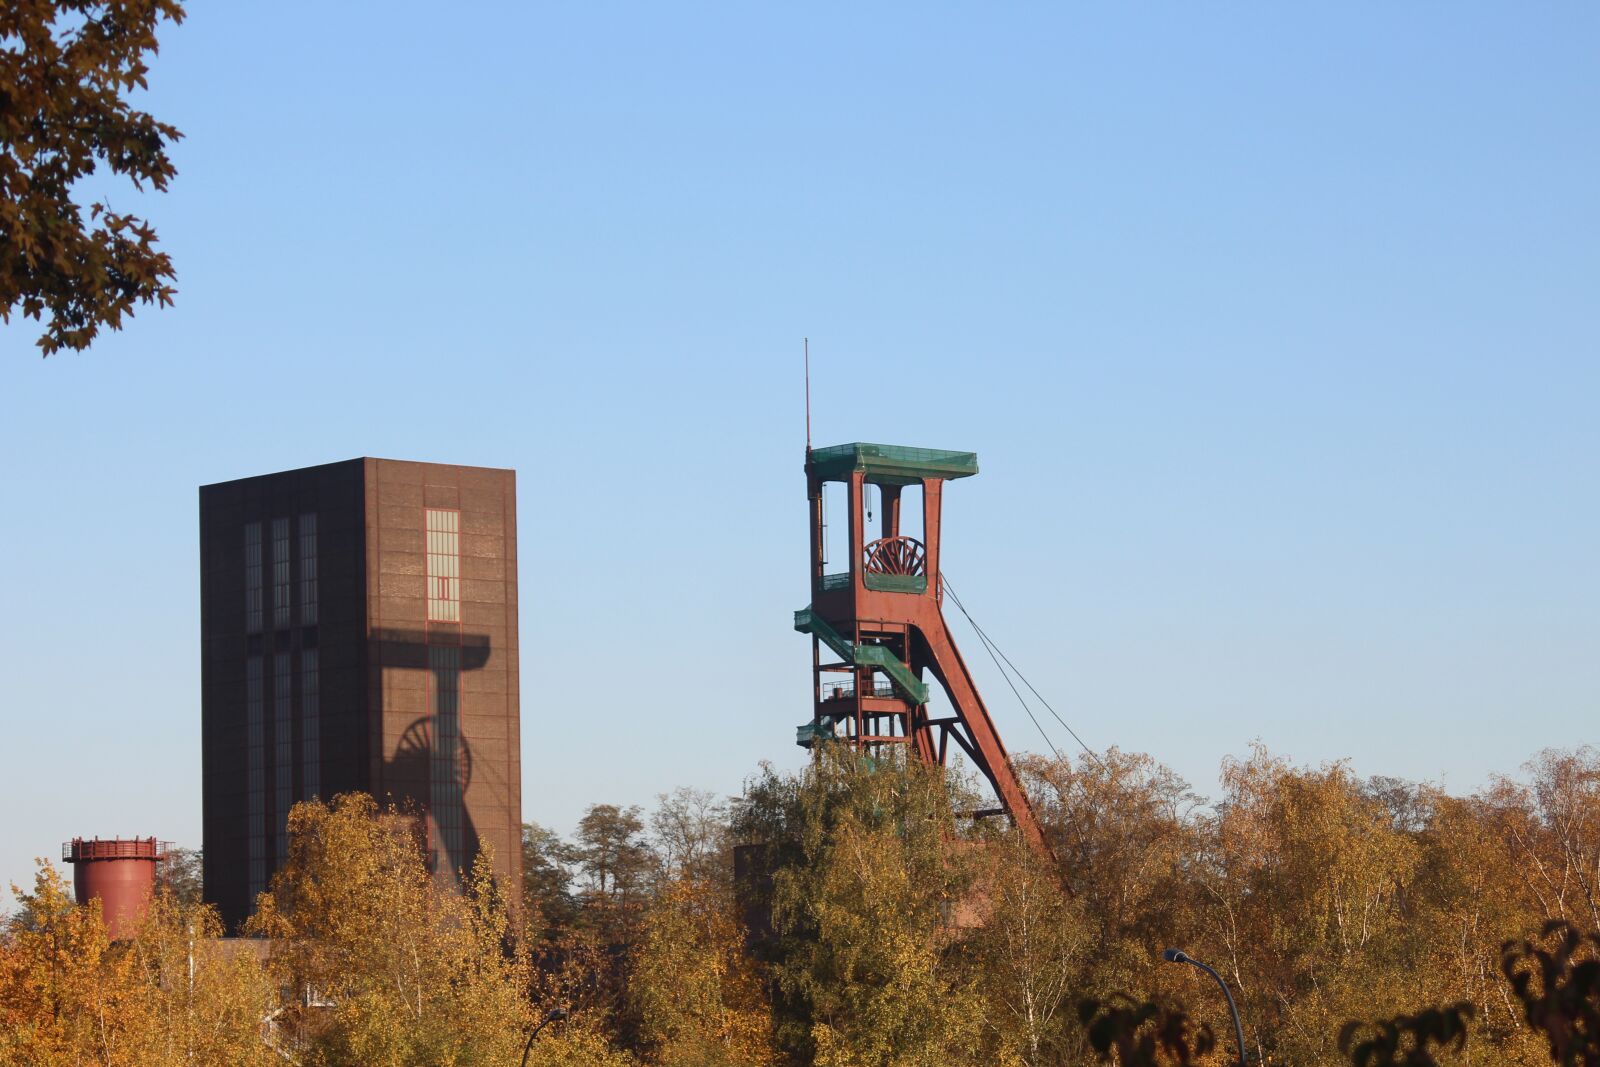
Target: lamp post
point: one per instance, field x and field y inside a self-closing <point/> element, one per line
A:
<point x="553" y="1015"/>
<point x="1177" y="955"/>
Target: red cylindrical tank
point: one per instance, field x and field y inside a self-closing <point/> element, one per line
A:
<point x="120" y="873"/>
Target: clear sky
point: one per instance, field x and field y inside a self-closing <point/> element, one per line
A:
<point x="1275" y="328"/>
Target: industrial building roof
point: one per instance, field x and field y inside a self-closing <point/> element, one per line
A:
<point x="891" y="464"/>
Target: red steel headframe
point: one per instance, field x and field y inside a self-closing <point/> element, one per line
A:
<point x="883" y="620"/>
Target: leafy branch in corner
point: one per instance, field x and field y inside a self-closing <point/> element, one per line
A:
<point x="1406" y="1040"/>
<point x="1559" y="987"/>
<point x="66" y="73"/>
<point x="1148" y="1034"/>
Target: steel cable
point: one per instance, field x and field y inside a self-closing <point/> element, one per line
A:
<point x="994" y="649"/>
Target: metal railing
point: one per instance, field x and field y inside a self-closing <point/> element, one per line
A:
<point x="115" y="848"/>
<point x="847" y="690"/>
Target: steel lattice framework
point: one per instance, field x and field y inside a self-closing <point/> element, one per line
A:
<point x="883" y="620"/>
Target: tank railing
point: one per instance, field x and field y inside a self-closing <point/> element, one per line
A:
<point x="114" y="848"/>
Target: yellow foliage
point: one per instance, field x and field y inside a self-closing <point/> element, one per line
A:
<point x="579" y="1044"/>
<point x="901" y="937"/>
<point x="172" y="995"/>
<point x="389" y="965"/>
<point x="698" y="997"/>
<point x="861" y="908"/>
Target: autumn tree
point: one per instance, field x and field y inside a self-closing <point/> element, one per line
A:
<point x="1028" y="950"/>
<point x="1553" y="824"/>
<point x="698" y="997"/>
<point x="180" y="874"/>
<point x="1424" y="1039"/>
<point x="1306" y="875"/>
<point x="615" y="868"/>
<point x="1359" y="921"/>
<point x="1321" y="897"/>
<point x="67" y="71"/>
<point x="580" y="1044"/>
<point x="864" y="880"/>
<point x="388" y="964"/>
<point x="66" y="994"/>
<point x="1556" y="977"/>
<point x="690" y="834"/>
<point x="1468" y="898"/>
<point x="547" y="879"/>
<point x="208" y="998"/>
<point x="173" y="994"/>
<point x="1127" y="1033"/>
<point x="1125" y="832"/>
<point x="612" y="855"/>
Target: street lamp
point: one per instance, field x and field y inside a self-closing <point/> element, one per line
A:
<point x="1177" y="955"/>
<point x="553" y="1015"/>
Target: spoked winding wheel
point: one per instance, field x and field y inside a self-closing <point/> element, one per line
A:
<point x="896" y="555"/>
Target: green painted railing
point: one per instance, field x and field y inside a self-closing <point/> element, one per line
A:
<point x="807" y="621"/>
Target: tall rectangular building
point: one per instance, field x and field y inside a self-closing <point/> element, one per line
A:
<point x="358" y="632"/>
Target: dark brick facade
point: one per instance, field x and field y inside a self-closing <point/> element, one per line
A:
<point x="345" y="647"/>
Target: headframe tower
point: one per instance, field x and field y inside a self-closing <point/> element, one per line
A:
<point x="882" y="618"/>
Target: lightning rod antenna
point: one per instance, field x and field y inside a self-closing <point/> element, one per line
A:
<point x="807" y="342"/>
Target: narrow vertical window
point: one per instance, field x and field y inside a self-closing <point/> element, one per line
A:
<point x="252" y="577"/>
<point x="308" y="569"/>
<point x="444" y="565"/>
<point x="255" y="777"/>
<point x="310" y="727"/>
<point x="280" y="573"/>
<point x="283" y="754"/>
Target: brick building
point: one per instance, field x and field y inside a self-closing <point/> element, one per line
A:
<point x="358" y="632"/>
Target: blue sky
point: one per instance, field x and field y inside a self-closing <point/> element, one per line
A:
<point x="1274" y="328"/>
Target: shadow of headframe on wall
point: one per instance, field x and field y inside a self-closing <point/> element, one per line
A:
<point x="431" y="763"/>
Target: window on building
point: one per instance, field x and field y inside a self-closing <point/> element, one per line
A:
<point x="280" y="573"/>
<point x="444" y="565"/>
<point x="310" y="727"/>
<point x="252" y="577"/>
<point x="283" y="754"/>
<point x="255" y="777"/>
<point x="308" y="569"/>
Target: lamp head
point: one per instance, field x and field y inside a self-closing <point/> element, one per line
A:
<point x="1175" y="955"/>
